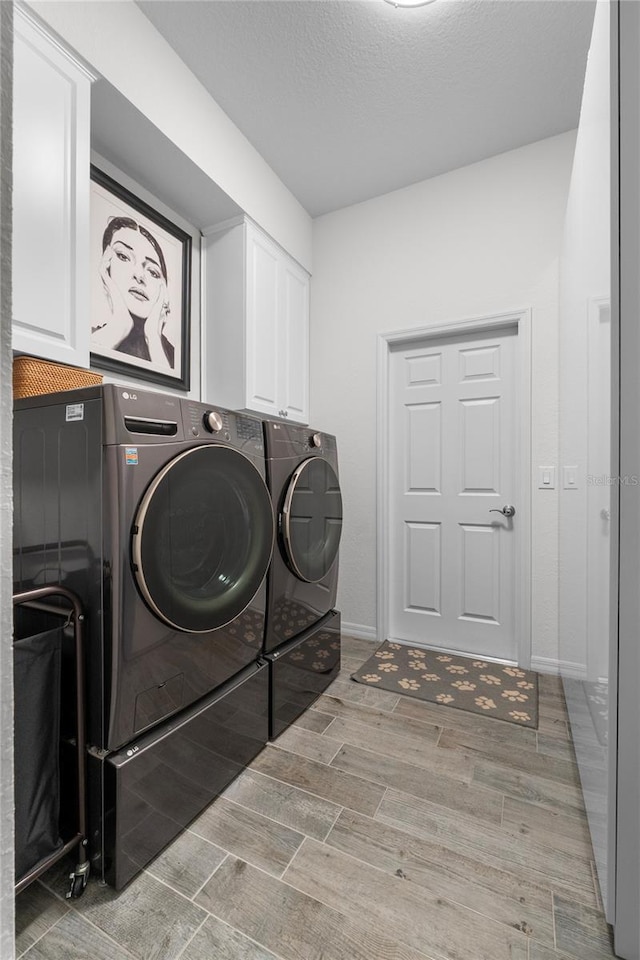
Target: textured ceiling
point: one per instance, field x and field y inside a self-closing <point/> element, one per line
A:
<point x="349" y="99"/>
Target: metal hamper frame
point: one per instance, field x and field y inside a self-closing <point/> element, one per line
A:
<point x="73" y="613"/>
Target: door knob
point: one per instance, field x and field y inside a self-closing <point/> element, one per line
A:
<point x="507" y="511"/>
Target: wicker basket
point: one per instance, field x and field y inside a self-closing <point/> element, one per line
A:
<point x="32" y="376"/>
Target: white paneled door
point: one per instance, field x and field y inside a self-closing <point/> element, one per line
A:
<point x="452" y="468"/>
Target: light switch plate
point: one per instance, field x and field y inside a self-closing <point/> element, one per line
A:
<point x="570" y="478"/>
<point x="546" y="478"/>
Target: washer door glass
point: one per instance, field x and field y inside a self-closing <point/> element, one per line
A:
<point x="312" y="520"/>
<point x="202" y="538"/>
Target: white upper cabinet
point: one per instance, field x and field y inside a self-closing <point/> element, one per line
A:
<point x="264" y="342"/>
<point x="295" y="340"/>
<point x="256" y="324"/>
<point x="50" y="197"/>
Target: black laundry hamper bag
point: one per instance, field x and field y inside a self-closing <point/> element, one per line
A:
<point x="37" y="673"/>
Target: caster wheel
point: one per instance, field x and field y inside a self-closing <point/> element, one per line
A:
<point x="77" y="888"/>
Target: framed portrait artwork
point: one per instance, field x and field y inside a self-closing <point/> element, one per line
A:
<point x="140" y="278"/>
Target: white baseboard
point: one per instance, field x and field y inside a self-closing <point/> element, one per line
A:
<point x="359" y="631"/>
<point x="565" y="668"/>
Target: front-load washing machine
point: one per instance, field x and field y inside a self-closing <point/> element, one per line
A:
<point x="302" y="474"/>
<point x="155" y="511"/>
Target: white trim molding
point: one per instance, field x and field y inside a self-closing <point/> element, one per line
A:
<point x="27" y="15"/>
<point x="564" y="668"/>
<point x="521" y="319"/>
<point x="359" y="630"/>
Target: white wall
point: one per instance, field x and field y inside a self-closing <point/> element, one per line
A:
<point x="625" y="662"/>
<point x="117" y="40"/>
<point x="585" y="442"/>
<point x="584" y="280"/>
<point x="480" y="240"/>
<point x="6" y="486"/>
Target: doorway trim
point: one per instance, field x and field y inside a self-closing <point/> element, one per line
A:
<point x="598" y="311"/>
<point x="521" y="319"/>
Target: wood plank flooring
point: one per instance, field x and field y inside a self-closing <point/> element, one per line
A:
<point x="376" y="828"/>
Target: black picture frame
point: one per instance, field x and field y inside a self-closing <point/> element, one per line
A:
<point x="140" y="285"/>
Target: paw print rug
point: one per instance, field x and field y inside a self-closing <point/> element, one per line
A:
<point x="493" y="689"/>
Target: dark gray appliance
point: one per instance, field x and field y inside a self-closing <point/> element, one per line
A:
<point x="302" y="474"/>
<point x="300" y="670"/>
<point x="154" y="510"/>
<point x="302" y="642"/>
<point x="152" y="788"/>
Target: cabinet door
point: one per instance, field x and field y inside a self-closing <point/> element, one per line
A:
<point x="262" y="350"/>
<point x="50" y="199"/>
<point x="294" y="340"/>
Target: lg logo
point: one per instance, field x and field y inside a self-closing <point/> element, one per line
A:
<point x="128" y="396"/>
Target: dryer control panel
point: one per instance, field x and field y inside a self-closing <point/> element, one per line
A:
<point x="216" y="423"/>
<point x="204" y="420"/>
<point x="287" y="440"/>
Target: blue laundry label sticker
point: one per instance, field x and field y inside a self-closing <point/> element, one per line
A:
<point x="74" y="411"/>
<point x="131" y="456"/>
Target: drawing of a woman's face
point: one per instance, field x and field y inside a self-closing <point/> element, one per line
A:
<point x="136" y="271"/>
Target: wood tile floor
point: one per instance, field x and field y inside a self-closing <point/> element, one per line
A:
<point x="376" y="828"/>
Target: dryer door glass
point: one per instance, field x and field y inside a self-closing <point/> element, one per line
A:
<point x="202" y="538"/>
<point x="312" y="520"/>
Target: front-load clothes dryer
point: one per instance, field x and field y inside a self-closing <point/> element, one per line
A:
<point x="155" y="511"/>
<point x="302" y="474"/>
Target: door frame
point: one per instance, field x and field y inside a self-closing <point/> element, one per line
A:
<point x="597" y="310"/>
<point x="521" y="320"/>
